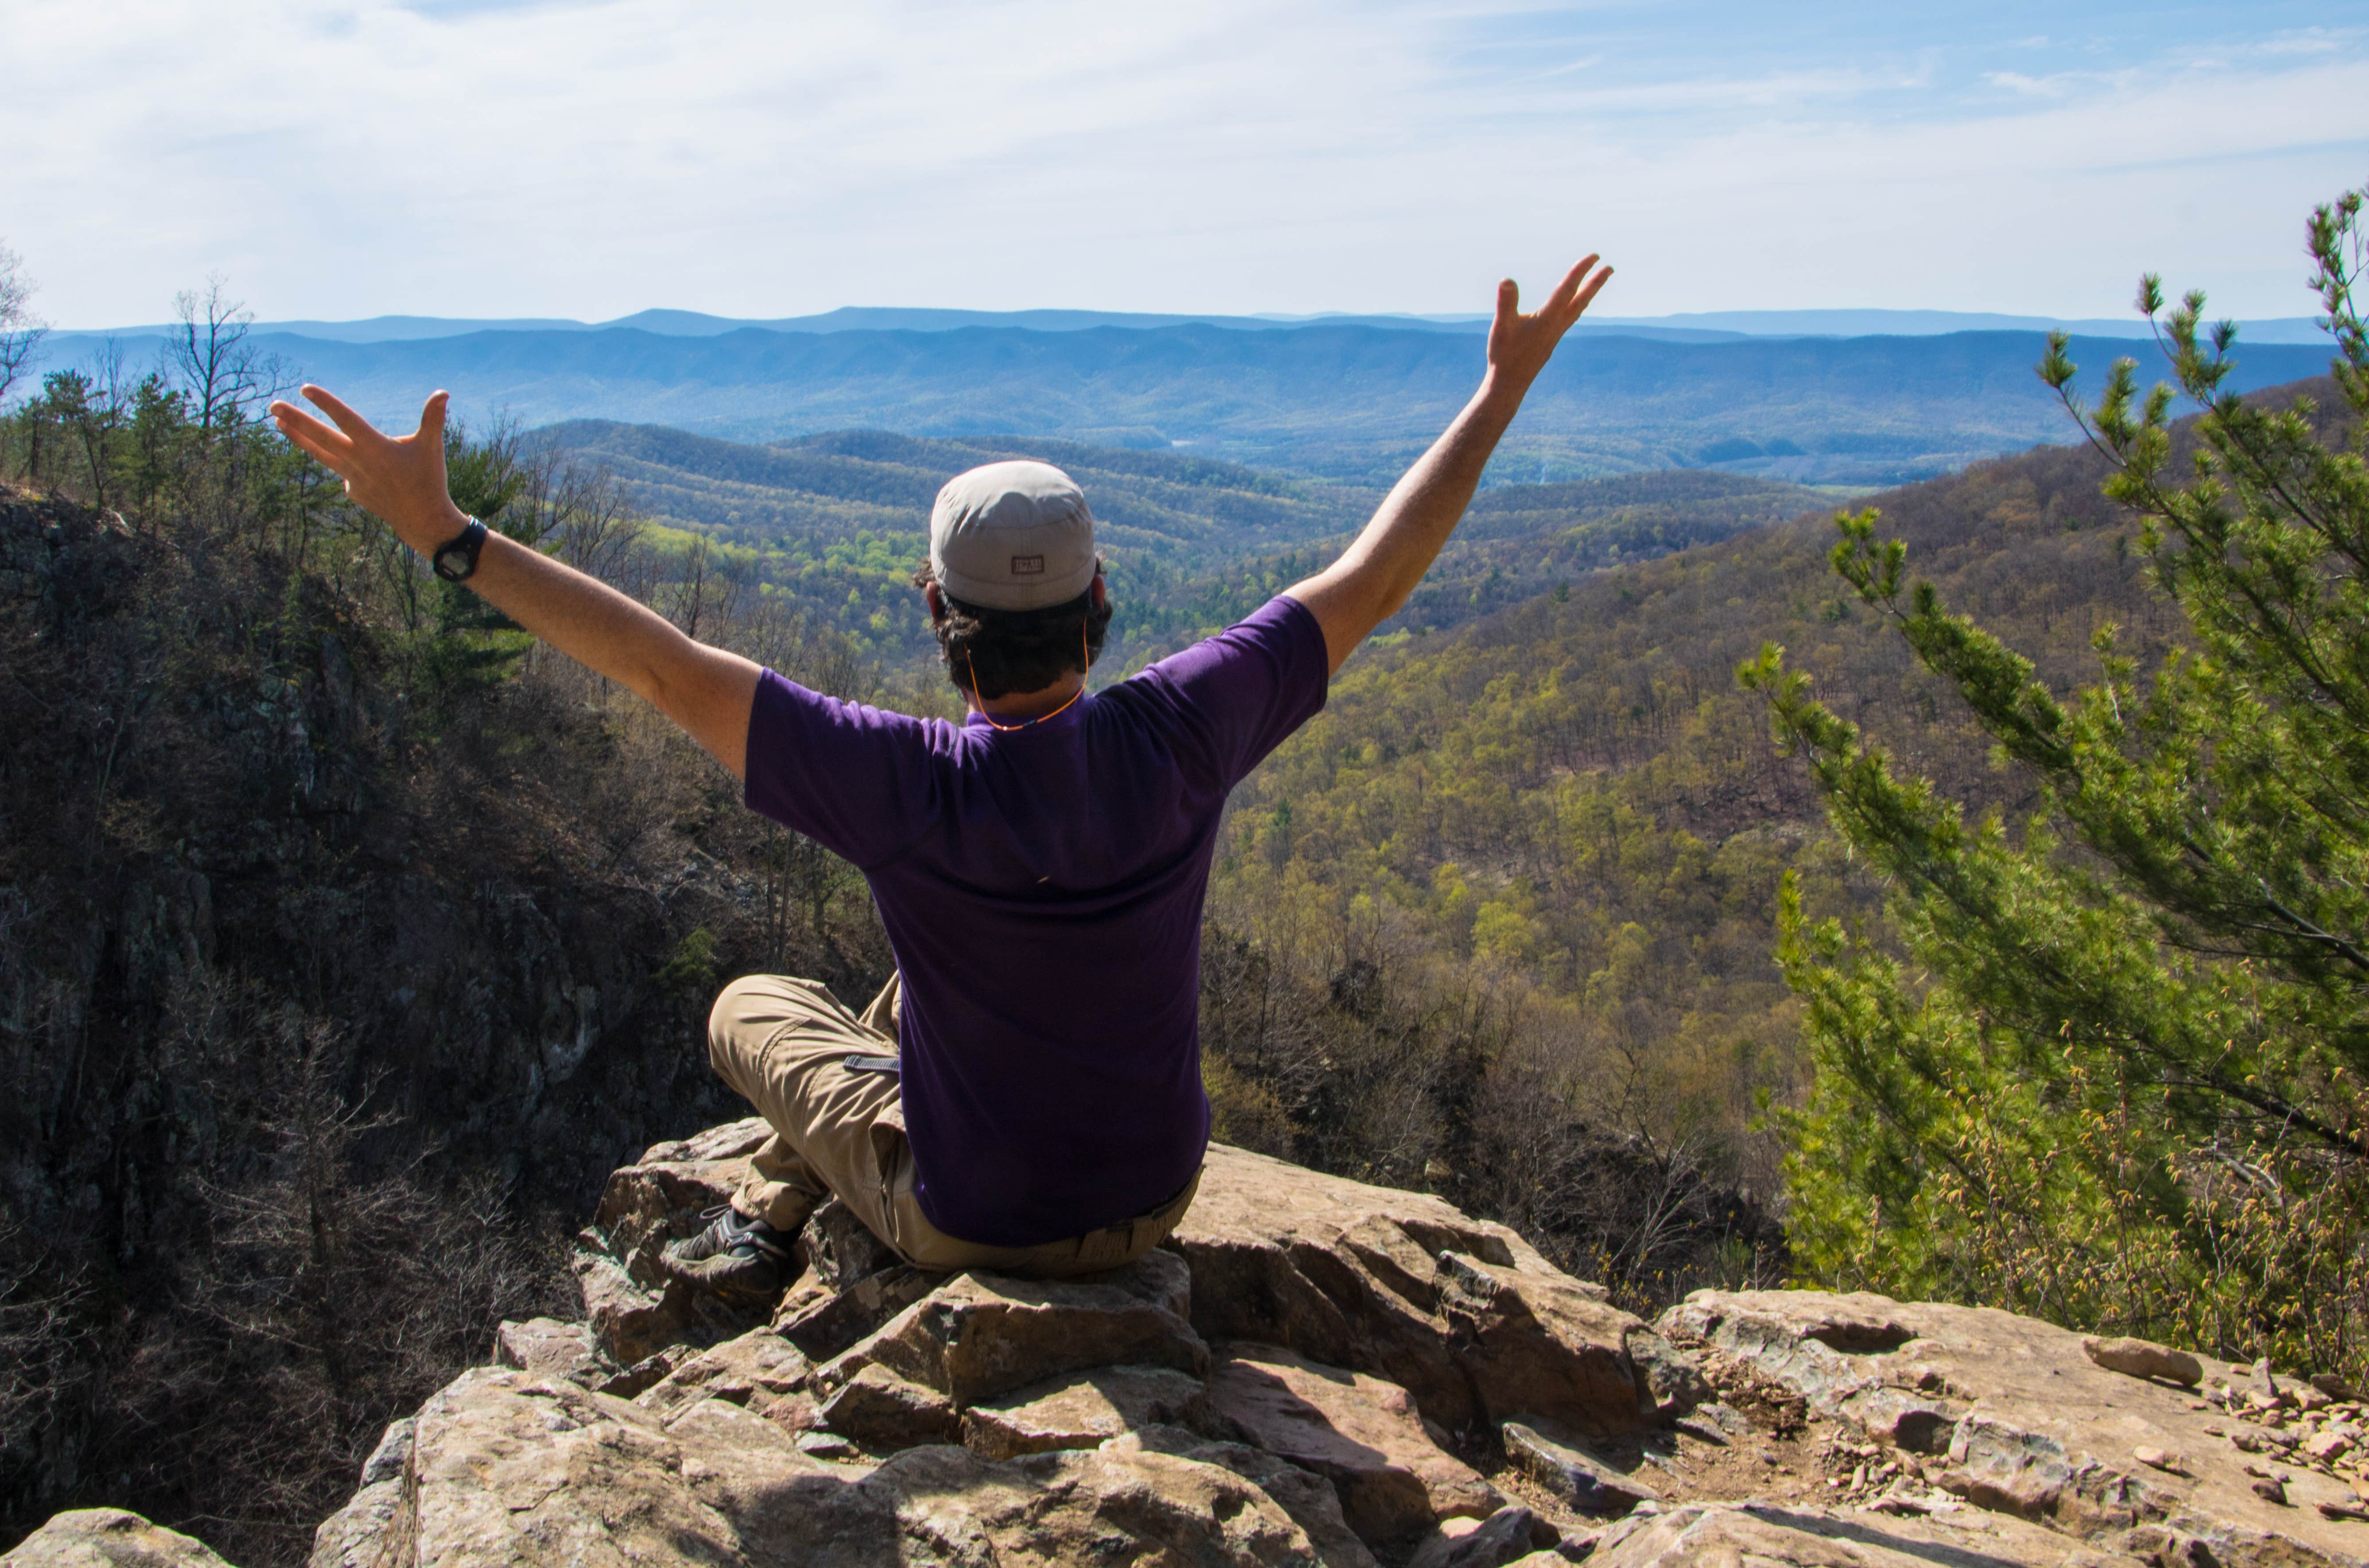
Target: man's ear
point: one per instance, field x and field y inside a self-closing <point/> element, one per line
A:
<point x="1101" y="593"/>
<point x="935" y="600"/>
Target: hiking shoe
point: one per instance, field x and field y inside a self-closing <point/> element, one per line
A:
<point x="736" y="1258"/>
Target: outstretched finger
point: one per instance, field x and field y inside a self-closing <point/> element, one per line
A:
<point x="335" y="463"/>
<point x="1509" y="301"/>
<point x="311" y="436"/>
<point x="353" y="424"/>
<point x="1573" y="282"/>
<point x="1587" y="296"/>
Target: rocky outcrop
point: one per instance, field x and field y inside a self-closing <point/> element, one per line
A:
<point x="1358" y="1432"/>
<point x="1315" y="1371"/>
<point x="108" y="1538"/>
<point x="511" y="1469"/>
<point x="2017" y="1417"/>
<point x="1768" y="1535"/>
<point x="1461" y="1314"/>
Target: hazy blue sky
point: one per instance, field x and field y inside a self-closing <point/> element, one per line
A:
<point x="556" y="158"/>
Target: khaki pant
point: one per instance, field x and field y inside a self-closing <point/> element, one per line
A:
<point x="784" y="1043"/>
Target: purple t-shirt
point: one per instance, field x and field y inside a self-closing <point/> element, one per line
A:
<point x="1042" y="889"/>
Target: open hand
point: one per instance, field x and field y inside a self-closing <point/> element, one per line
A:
<point x="1519" y="346"/>
<point x="399" y="478"/>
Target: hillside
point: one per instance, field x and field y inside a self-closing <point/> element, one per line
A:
<point x="1551" y="842"/>
<point x="1518" y="541"/>
<point x="351" y="942"/>
<point x="1353" y="403"/>
<point x="836" y="523"/>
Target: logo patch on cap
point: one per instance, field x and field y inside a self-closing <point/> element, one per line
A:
<point x="1028" y="566"/>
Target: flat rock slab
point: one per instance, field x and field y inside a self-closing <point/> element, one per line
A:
<point x="885" y="1411"/>
<point x="980" y="1336"/>
<point x="1352" y="1276"/>
<point x="2030" y="1425"/>
<point x="1311" y="1501"/>
<point x="521" y="1471"/>
<point x="823" y="1320"/>
<point x="1768" y="1535"/>
<point x="1083" y="1409"/>
<point x="1576" y="1478"/>
<point x="108" y="1538"/>
<point x="733" y="1141"/>
<point x="549" y="1348"/>
<point x="1358" y="1432"/>
<point x="753" y="1369"/>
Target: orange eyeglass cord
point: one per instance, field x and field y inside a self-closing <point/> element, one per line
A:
<point x="1086" y="662"/>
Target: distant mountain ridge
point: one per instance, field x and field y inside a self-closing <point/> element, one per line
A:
<point x="1695" y="327"/>
<point x="1341" y="401"/>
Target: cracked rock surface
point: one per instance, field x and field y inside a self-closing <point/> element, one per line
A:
<point x="1311" y="1371"/>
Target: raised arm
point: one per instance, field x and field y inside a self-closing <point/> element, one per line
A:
<point x="401" y="479"/>
<point x="1375" y="575"/>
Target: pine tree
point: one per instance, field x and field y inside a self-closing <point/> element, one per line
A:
<point x="2109" y="1069"/>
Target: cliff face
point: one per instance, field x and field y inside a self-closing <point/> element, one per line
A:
<point x="1310" y="1371"/>
<point x="327" y="997"/>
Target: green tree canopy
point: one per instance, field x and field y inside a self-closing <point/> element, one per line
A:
<point x="2109" y="1069"/>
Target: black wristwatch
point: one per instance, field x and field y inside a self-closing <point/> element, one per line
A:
<point x="463" y="549"/>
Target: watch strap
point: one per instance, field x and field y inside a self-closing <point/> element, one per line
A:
<point x="456" y="559"/>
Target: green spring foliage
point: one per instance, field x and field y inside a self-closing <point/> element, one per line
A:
<point x="2105" y="1065"/>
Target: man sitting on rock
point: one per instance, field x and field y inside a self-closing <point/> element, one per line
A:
<point x="1026" y="1095"/>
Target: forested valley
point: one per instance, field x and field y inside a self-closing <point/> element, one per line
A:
<point x="347" y="939"/>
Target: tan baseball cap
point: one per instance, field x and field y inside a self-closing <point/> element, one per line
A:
<point x="1012" y="536"/>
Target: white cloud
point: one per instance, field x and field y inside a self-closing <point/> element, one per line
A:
<point x="761" y="159"/>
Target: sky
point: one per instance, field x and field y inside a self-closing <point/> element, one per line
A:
<point x="337" y="159"/>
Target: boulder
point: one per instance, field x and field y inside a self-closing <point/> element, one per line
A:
<point x="646" y="1373"/>
<point x="1573" y="1477"/>
<point x="351" y="1537"/>
<point x="1771" y="1536"/>
<point x="355" y="1535"/>
<point x="2144" y="1358"/>
<point x="627" y="1322"/>
<point x="2027" y="1424"/>
<point x="1352" y="1276"/>
<point x="549" y="1348"/>
<point x="823" y="1320"/>
<point x="390" y="1457"/>
<point x="1083" y="1409"/>
<point x="1537" y="1341"/>
<point x="1506" y="1536"/>
<point x="1105" y="1505"/>
<point x="1715" y="1421"/>
<point x="522" y="1472"/>
<point x="644" y="1205"/>
<point x="753" y="1369"/>
<point x="108" y="1538"/>
<point x="1358" y="1432"/>
<point x="980" y="1335"/>
<point x="840" y="1250"/>
<point x="883" y="1412"/>
<point x="733" y="1141"/>
<point x="1311" y="1500"/>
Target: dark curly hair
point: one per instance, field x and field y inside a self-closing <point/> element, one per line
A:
<point x="1015" y="650"/>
